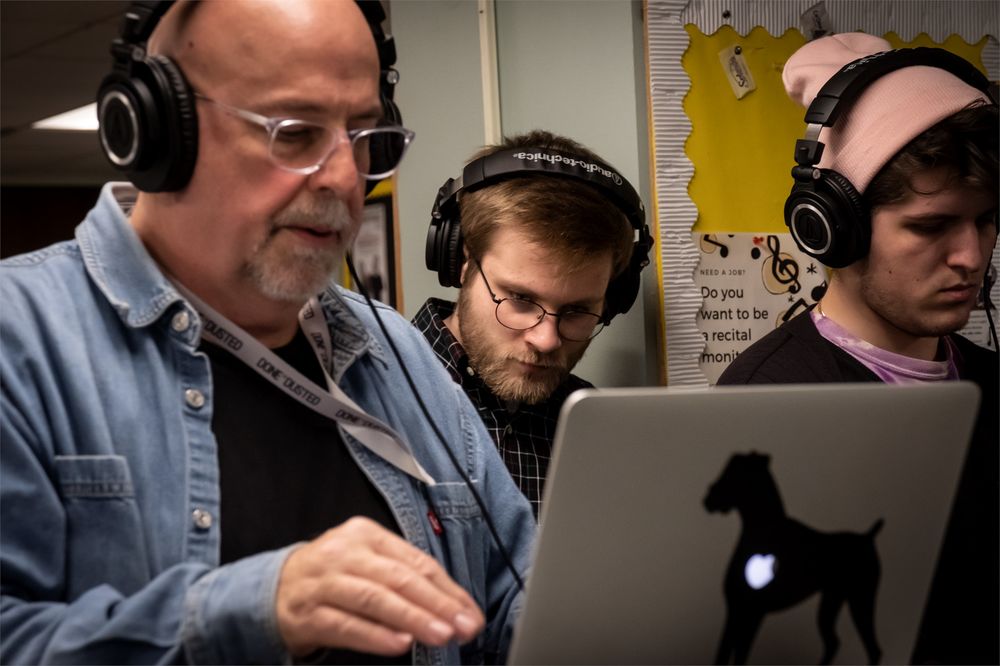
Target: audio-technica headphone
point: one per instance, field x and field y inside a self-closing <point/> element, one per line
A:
<point x="148" y="123"/>
<point x="827" y="216"/>
<point x="444" y="251"/>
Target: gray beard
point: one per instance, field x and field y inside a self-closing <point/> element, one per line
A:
<point x="296" y="275"/>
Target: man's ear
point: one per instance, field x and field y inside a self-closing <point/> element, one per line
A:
<point x="465" y="265"/>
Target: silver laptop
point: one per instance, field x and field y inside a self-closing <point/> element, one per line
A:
<point x="686" y="526"/>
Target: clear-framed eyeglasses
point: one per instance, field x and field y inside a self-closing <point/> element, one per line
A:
<point x="300" y="146"/>
<point x="520" y="314"/>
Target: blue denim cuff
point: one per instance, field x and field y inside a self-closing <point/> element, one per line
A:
<point x="230" y="613"/>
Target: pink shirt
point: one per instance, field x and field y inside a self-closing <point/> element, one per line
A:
<point x="890" y="367"/>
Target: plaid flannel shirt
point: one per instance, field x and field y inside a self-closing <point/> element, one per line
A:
<point x="522" y="433"/>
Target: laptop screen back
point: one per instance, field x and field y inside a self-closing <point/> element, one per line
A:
<point x="793" y="497"/>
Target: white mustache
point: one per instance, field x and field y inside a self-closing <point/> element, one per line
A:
<point x="326" y="215"/>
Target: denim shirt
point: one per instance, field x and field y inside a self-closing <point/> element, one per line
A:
<point x="110" y="506"/>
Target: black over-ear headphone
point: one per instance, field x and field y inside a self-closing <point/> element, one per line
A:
<point x="444" y="252"/>
<point x="148" y="123"/>
<point x="827" y="216"/>
<point x="381" y="150"/>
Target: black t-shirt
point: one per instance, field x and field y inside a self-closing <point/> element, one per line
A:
<point x="285" y="472"/>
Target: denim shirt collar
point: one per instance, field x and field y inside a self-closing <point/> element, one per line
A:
<point x="140" y="293"/>
<point x="349" y="337"/>
<point x="119" y="263"/>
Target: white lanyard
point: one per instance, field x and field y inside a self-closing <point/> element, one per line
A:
<point x="332" y="403"/>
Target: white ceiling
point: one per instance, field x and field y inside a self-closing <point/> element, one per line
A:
<point x="54" y="55"/>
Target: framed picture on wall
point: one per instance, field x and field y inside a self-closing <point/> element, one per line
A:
<point x="374" y="251"/>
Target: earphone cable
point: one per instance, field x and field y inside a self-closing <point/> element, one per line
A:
<point x="437" y="432"/>
<point x="987" y="301"/>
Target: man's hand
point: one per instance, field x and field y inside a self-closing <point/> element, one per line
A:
<point x="361" y="587"/>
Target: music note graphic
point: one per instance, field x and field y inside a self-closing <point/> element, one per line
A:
<point x="708" y="244"/>
<point x="791" y="312"/>
<point x="780" y="272"/>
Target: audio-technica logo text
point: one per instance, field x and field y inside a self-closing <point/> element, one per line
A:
<point x="589" y="167"/>
<point x="860" y="62"/>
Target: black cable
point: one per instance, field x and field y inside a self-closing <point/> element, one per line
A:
<point x="993" y="329"/>
<point x="986" y="298"/>
<point x="987" y="301"/>
<point x="451" y="456"/>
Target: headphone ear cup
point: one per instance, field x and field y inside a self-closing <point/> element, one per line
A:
<point x="450" y="272"/>
<point x="622" y="290"/>
<point x="181" y="123"/>
<point x="384" y="152"/>
<point x="149" y="126"/>
<point x="124" y="106"/>
<point x="443" y="251"/>
<point x="828" y="219"/>
<point x="174" y="150"/>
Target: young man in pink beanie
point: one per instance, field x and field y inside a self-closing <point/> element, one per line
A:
<point x="898" y="191"/>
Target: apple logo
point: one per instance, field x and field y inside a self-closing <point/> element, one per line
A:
<point x="759" y="570"/>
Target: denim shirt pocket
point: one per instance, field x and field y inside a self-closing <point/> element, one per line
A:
<point x="467" y="544"/>
<point x="99" y="499"/>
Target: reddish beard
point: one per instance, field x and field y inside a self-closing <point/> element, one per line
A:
<point x="499" y="365"/>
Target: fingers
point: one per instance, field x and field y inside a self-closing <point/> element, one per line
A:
<point x="355" y="633"/>
<point x="362" y="587"/>
<point x="406" y="570"/>
<point x="432" y="586"/>
<point x="365" y="599"/>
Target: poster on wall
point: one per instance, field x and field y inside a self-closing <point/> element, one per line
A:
<point x="750" y="284"/>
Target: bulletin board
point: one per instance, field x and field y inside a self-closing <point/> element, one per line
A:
<point x="722" y="135"/>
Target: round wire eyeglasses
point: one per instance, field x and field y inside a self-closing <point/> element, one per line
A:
<point x="520" y="314"/>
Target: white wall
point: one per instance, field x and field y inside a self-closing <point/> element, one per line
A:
<point x="440" y="96"/>
<point x="574" y="67"/>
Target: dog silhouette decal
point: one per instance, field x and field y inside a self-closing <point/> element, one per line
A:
<point x="779" y="562"/>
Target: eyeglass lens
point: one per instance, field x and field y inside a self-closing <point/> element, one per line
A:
<point x="521" y="314"/>
<point x="297" y="144"/>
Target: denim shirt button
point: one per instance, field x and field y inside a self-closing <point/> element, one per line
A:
<point x="202" y="519"/>
<point x="194" y="398"/>
<point x="181" y="321"/>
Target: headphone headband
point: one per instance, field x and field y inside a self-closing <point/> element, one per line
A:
<point x="137" y="25"/>
<point x="516" y="162"/>
<point x="846" y="86"/>
<point x="443" y="251"/>
<point x="386" y="45"/>
<point x="142" y="17"/>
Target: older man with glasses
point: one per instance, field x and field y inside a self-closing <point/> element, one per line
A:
<point x="538" y="252"/>
<point x="209" y="455"/>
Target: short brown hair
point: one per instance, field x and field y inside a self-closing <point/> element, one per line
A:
<point x="572" y="219"/>
<point x="965" y="144"/>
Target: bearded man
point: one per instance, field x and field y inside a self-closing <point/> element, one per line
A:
<point x="543" y="247"/>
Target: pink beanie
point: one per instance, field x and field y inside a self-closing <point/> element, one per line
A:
<point x="890" y="112"/>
